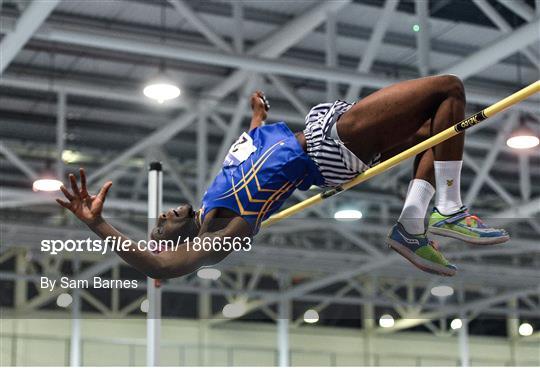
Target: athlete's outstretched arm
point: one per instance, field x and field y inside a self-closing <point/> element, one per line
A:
<point x="170" y="263"/>
<point x="259" y="107"/>
<point x="88" y="208"/>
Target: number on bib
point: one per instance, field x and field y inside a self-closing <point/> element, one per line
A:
<point x="240" y="150"/>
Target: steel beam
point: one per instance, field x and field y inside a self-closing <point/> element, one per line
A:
<point x="98" y="304"/>
<point x="486" y="166"/>
<point x="60" y="134"/>
<point x="512" y="330"/>
<point x="309" y="286"/>
<point x="17" y="161"/>
<point x="520" y="8"/>
<point x="219" y="122"/>
<point x="31" y="19"/>
<point x="374" y="43"/>
<point x="20" y="292"/>
<point x="362" y="243"/>
<point x="260" y="63"/>
<point x="524" y="177"/>
<point x="331" y="53"/>
<point x="263" y="64"/>
<point x="474" y="94"/>
<point x="505" y="46"/>
<point x="442" y="312"/>
<point x="137" y="187"/>
<point x="232" y="131"/>
<point x="158" y="137"/>
<point x="75" y="339"/>
<point x="463" y="339"/>
<point x="294" y="31"/>
<point x="368" y="322"/>
<point x="503" y="25"/>
<point x="172" y="170"/>
<point x="520" y="212"/>
<point x="422" y="37"/>
<point x="290" y="116"/>
<point x="325" y="303"/>
<point x="289" y="93"/>
<point x="202" y="153"/>
<point x="238" y="16"/>
<point x="503" y="193"/>
<point x="192" y="17"/>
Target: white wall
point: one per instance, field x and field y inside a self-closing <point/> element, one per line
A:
<point x="121" y="342"/>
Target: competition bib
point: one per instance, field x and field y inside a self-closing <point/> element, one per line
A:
<point x="240" y="150"/>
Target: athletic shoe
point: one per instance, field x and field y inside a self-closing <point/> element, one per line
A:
<point x="464" y="226"/>
<point x="420" y="251"/>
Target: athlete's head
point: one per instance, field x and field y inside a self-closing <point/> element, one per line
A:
<point x="176" y="222"/>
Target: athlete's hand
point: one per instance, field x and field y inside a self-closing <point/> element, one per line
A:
<point x="86" y="207"/>
<point x="259" y="104"/>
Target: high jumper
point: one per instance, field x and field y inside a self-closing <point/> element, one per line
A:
<point x="342" y="145"/>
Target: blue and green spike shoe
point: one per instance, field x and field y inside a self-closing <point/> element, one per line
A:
<point x="420" y="251"/>
<point x="464" y="226"/>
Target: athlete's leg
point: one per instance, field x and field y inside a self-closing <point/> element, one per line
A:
<point x="421" y="187"/>
<point x="392" y="115"/>
<point x="408" y="237"/>
<point x="410" y="228"/>
<point x="457" y="224"/>
<point x="440" y="166"/>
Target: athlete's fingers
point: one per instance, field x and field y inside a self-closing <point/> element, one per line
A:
<point x="265" y="102"/>
<point x="83" y="181"/>
<point x="74" y="186"/>
<point x="104" y="190"/>
<point x="66" y="193"/>
<point x="63" y="204"/>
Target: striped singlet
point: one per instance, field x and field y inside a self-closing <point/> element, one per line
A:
<point x="336" y="163"/>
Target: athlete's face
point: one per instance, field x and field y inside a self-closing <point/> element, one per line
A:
<point x="176" y="222"/>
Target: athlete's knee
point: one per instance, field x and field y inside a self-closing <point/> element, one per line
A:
<point x="453" y="86"/>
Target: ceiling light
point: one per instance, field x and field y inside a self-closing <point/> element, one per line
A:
<point x="145" y="305"/>
<point x="64" y="300"/>
<point x="386" y="321"/>
<point x="234" y="310"/>
<point x="442" y="291"/>
<point x="311" y="316"/>
<point x="161" y="90"/>
<point x="69" y="156"/>
<point x="46" y="185"/>
<point x="523" y="137"/>
<point x="523" y="141"/>
<point x="456" y="324"/>
<point x="526" y="329"/>
<point x="348" y="215"/>
<point x="209" y="273"/>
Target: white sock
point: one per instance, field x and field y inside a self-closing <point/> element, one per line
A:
<point x="416" y="205"/>
<point x="448" y="181"/>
